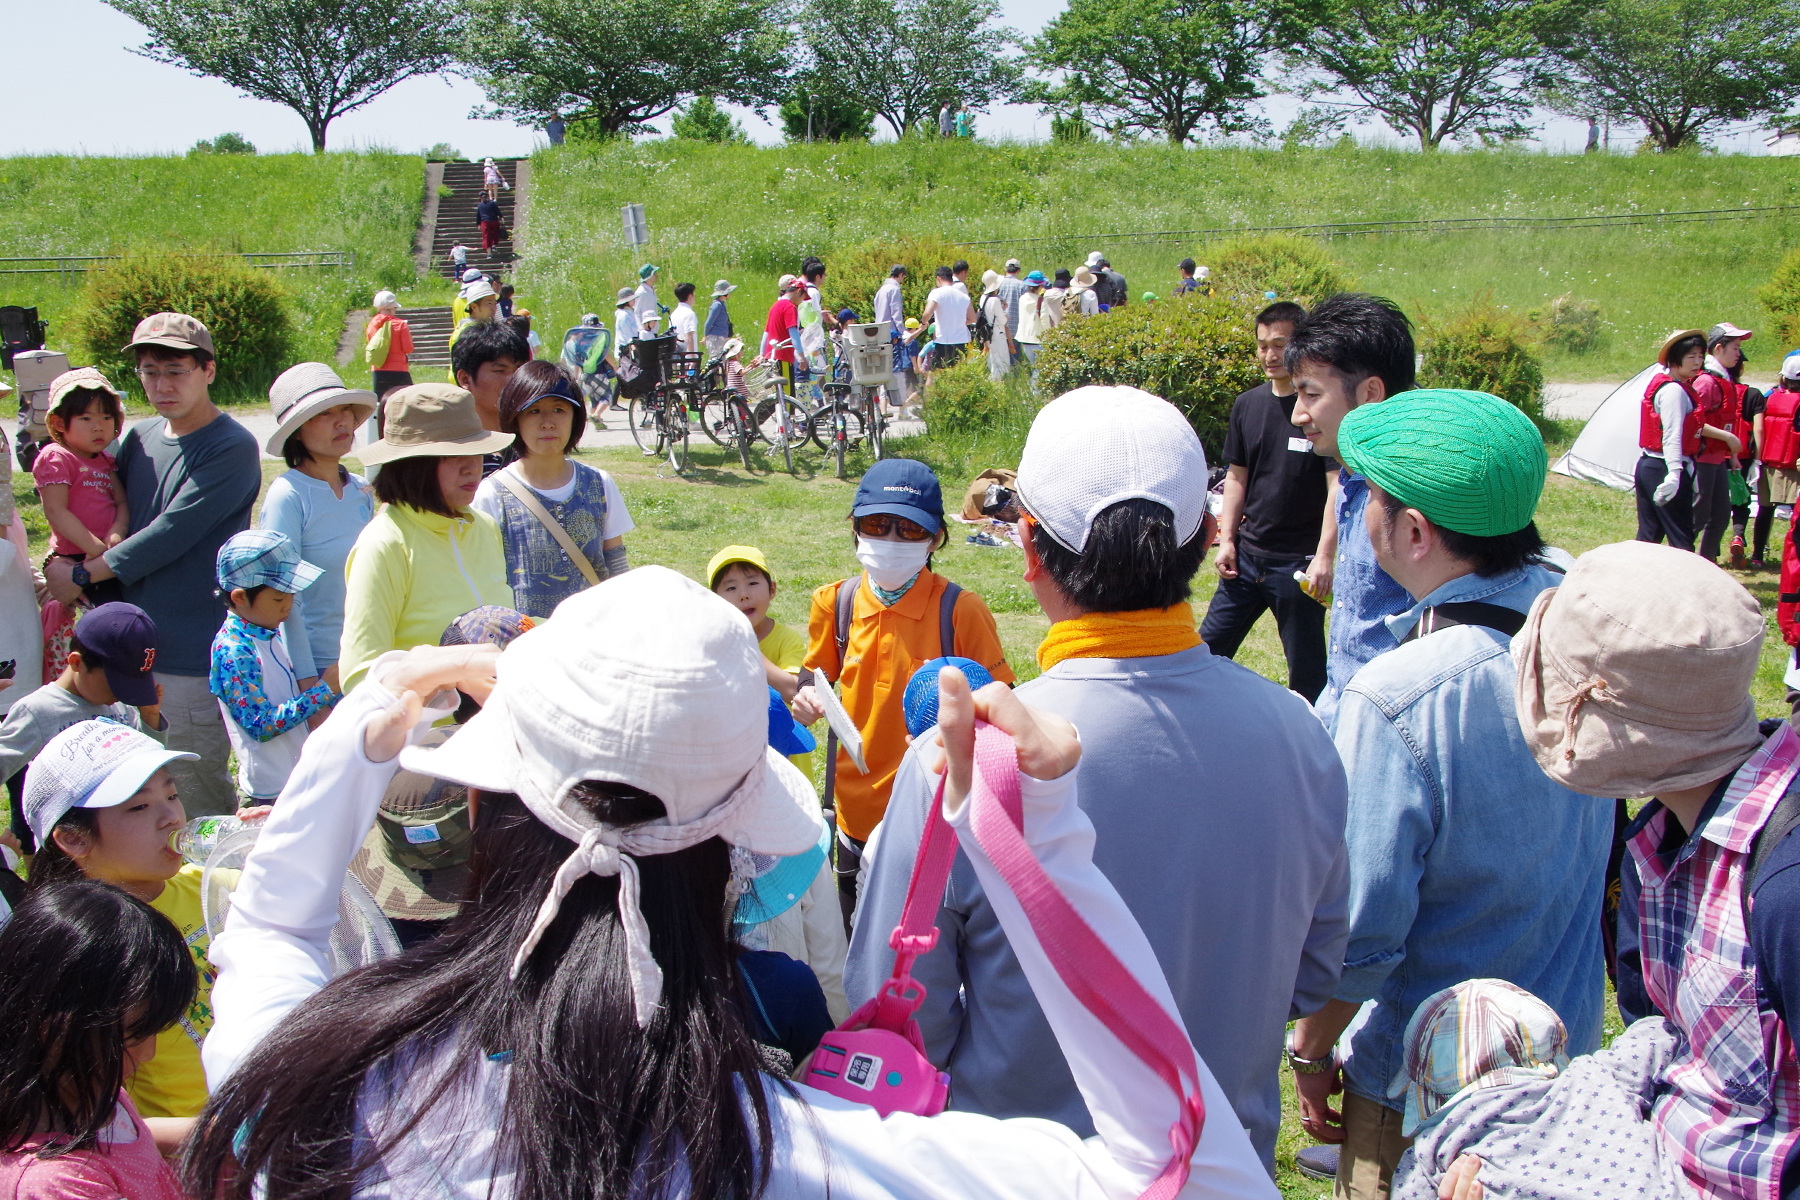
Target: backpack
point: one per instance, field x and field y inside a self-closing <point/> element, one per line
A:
<point x="379" y="344"/>
<point x="844" y="606"/>
<point x="1071" y="302"/>
<point x="984" y="328"/>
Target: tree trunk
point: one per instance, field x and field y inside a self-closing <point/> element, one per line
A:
<point x="317" y="127"/>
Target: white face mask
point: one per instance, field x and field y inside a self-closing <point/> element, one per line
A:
<point x="891" y="564"/>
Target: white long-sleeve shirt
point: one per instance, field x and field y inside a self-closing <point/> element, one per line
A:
<point x="890" y="306"/>
<point x="271" y="957"/>
<point x="1672" y="406"/>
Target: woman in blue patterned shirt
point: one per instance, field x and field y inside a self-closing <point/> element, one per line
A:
<point x="542" y="409"/>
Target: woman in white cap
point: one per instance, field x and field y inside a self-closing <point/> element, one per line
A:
<point x="576" y="1031"/>
<point x="427" y="557"/>
<point x="392" y="369"/>
<point x="317" y="502"/>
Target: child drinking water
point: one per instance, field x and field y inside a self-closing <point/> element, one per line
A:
<point x="83" y="499"/>
<point x="563" y="522"/>
<point x="102" y="806"/>
<point x="89" y="976"/>
<point x="260" y="572"/>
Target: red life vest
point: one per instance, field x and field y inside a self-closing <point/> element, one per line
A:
<point x="1727" y="414"/>
<point x="1781" y="445"/>
<point x="1650" y="430"/>
<point x="1787" y="598"/>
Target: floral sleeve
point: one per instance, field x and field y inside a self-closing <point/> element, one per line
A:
<point x="237" y="681"/>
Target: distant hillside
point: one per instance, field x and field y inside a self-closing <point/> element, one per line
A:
<point x="751" y="213"/>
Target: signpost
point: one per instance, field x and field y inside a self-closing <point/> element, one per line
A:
<point x="637" y="231"/>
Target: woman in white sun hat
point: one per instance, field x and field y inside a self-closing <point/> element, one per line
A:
<point x="576" y="1031"/>
<point x="317" y="502"/>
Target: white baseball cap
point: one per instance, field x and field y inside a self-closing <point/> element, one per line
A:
<point x="1093" y="259"/>
<point x="1790" y="366"/>
<point x="471" y="275"/>
<point x="384" y="299"/>
<point x="92" y="764"/>
<point x="1095" y="446"/>
<point x="479" y="290"/>
<point x="648" y="680"/>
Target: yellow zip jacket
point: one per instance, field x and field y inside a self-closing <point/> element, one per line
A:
<point x="409" y="575"/>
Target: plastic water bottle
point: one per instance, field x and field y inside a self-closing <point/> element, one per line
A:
<point x="196" y="840"/>
<point x="921" y="699"/>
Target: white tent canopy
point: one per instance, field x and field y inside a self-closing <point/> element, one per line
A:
<point x="1607" y="450"/>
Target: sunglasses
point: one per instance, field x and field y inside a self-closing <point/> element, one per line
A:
<point x="881" y="524"/>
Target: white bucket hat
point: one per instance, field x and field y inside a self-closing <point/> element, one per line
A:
<point x="648" y="680"/>
<point x="1093" y="447"/>
<point x="305" y="390"/>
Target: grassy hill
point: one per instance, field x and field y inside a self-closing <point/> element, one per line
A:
<point x="751" y="213"/>
<point x="365" y="203"/>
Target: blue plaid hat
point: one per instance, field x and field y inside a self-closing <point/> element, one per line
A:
<point x="266" y="558"/>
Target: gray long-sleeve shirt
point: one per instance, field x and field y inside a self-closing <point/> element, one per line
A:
<point x="188" y="495"/>
<point x="1218" y="805"/>
<point x="890" y="307"/>
<point x="40" y="715"/>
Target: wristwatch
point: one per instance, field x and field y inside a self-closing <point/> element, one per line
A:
<point x="1309" y="1066"/>
<point x="79" y="576"/>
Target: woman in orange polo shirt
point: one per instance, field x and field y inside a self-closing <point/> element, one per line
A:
<point x="898" y="612"/>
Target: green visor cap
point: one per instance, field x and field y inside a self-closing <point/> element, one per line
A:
<point x="1469" y="461"/>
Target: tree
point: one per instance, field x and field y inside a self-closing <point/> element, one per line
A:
<point x="1166" y="66"/>
<point x="901" y="59"/>
<point x="1435" y="69"/>
<point x="612" y="66"/>
<point x="705" y="121"/>
<point x="225" y="143"/>
<point x="1680" y="67"/>
<point x="814" y="108"/>
<point x="321" y="58"/>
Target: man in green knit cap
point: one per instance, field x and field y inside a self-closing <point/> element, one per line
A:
<point x="1466" y="861"/>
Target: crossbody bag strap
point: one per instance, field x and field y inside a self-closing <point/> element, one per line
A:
<point x="551" y="525"/>
<point x="1466" y="612"/>
<point x="843" y="606"/>
<point x="947" y="619"/>
<point x="899" y="998"/>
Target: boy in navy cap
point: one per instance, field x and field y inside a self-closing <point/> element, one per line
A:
<point x="259" y="572"/>
<point x="108" y="673"/>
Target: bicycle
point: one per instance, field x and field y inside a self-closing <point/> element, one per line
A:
<point x="780" y="420"/>
<point x="840" y="424"/>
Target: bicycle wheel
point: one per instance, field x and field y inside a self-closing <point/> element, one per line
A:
<point x="840" y="436"/>
<point x="646" y="428"/>
<point x="785" y="424"/>
<point x="837" y="395"/>
<point x="876" y="422"/>
<point x="675" y="420"/>
<point x="743" y="429"/>
<point x="716" y="418"/>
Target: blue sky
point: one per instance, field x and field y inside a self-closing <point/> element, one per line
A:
<point x="73" y="86"/>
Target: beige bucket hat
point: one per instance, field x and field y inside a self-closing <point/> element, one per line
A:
<point x="305" y="390"/>
<point x="1634" y="675"/>
<point x="432" y="419"/>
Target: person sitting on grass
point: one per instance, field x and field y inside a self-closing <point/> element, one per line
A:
<point x="253" y="675"/>
<point x="545" y="492"/>
<point x="90" y="976"/>
<point x="102" y="805"/>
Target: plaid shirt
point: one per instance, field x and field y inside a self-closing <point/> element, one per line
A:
<point x="1726" y="1109"/>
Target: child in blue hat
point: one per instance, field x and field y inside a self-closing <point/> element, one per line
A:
<point x="266" y="711"/>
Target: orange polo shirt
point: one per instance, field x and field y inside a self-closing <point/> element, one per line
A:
<point x="886" y="646"/>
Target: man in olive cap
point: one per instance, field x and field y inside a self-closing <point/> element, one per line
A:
<point x="1466" y="862"/>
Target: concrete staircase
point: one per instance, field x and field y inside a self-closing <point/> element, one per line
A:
<point x="456" y="219"/>
<point x="431" y="340"/>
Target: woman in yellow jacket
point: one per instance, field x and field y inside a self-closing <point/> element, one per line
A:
<point x="427" y="557"/>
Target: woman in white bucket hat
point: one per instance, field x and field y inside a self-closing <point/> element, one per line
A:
<point x="575" y="1032"/>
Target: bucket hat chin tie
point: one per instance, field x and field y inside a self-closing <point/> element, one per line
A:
<point x="606" y="851"/>
<point x="1591" y="688"/>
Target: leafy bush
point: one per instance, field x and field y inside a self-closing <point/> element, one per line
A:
<point x="444" y="150"/>
<point x="1781" y="296"/>
<point x="1197" y="353"/>
<point x="1294" y="268"/>
<point x="1574" y="325"/>
<point x="1070" y="127"/>
<point x="963" y="399"/>
<point x="225" y="143"/>
<point x="704" y="121"/>
<point x="1486" y="348"/>
<point x="247" y="310"/>
<point x="852" y="276"/>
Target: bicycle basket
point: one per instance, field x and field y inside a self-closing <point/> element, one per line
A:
<point x="760" y="379"/>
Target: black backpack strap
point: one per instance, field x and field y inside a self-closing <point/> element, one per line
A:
<point x="1782" y="821"/>
<point x="947" y="619"/>
<point x="844" y="607"/>
<point x="1466" y="612"/>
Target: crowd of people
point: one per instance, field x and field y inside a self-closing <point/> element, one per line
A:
<point x="637" y="944"/>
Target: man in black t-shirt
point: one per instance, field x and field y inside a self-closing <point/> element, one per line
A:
<point x="1272" y="524"/>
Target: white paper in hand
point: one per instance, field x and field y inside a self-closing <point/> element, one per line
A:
<point x="847" y="733"/>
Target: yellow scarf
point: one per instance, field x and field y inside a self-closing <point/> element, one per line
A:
<point x="1140" y="634"/>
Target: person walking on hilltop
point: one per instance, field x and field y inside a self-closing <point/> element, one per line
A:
<point x="487" y="216"/>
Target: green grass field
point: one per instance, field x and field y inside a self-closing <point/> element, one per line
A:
<point x="751" y="214"/>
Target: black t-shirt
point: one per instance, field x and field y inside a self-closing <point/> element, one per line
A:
<point x="1284" y="498"/>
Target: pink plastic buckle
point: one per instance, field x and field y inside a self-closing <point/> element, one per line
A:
<point x="879" y="1068"/>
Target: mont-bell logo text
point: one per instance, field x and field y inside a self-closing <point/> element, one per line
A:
<point x="908" y="488"/>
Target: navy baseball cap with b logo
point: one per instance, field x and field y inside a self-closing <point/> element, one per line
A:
<point x="901" y="487"/>
<point x="121" y="639"/>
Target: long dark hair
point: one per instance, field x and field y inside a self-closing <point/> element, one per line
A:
<point x="84" y="969"/>
<point x="595" y="1107"/>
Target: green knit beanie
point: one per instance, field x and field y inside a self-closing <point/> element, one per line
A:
<point x="1469" y="461"/>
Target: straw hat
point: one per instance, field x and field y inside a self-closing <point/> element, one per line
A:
<point x="1662" y="356"/>
<point x="432" y="420"/>
<point x="305" y="390"/>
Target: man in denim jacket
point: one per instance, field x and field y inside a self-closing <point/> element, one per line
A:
<point x="1465" y="860"/>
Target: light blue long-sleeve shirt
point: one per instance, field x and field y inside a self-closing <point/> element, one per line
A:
<point x="1466" y="861"/>
<point x="324" y="527"/>
<point x="1218" y="809"/>
<point x="1363" y="597"/>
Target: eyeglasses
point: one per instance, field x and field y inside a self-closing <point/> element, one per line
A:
<point x="878" y="525"/>
<point x="178" y="374"/>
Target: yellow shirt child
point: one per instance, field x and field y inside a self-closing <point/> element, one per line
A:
<point x="741" y="575"/>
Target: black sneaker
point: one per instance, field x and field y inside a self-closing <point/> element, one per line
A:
<point x="1317" y="1162"/>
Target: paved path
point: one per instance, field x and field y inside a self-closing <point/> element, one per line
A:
<point x="1577" y="401"/>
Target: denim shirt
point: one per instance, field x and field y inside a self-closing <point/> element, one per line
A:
<point x="1363" y="597"/>
<point x="1466" y="861"/>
